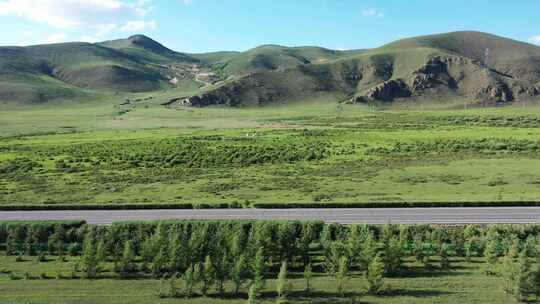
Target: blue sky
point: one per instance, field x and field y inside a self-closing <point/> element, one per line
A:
<point x="210" y="25"/>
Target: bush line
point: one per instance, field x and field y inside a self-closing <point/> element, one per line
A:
<point x="325" y="205"/>
<point x="236" y="205"/>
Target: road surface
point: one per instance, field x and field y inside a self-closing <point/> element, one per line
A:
<point x="506" y="215"/>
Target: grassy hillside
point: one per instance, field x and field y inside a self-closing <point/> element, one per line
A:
<point x="513" y="58"/>
<point x="275" y="57"/>
<point x="59" y="71"/>
<point x="463" y="65"/>
<point x="215" y="57"/>
<point x="144" y="48"/>
<point x="472" y="66"/>
<point x="44" y="72"/>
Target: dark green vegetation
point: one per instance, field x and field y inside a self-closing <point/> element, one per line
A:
<point x="294" y="262"/>
<point x="471" y="66"/>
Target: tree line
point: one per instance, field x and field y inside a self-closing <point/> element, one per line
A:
<point x="201" y="257"/>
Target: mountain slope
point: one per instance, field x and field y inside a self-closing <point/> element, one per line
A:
<point x="144" y="48"/>
<point x="468" y="65"/>
<point x="464" y="65"/>
<point x="72" y="67"/>
<point x="276" y="57"/>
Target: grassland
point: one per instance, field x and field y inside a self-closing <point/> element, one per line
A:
<point x="112" y="151"/>
<point x="464" y="284"/>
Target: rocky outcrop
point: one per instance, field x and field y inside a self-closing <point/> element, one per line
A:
<point x="452" y="75"/>
<point x="440" y="77"/>
<point x="434" y="73"/>
<point x="498" y="92"/>
<point x="388" y="91"/>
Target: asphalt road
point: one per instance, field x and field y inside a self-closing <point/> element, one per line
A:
<point x="506" y="215"/>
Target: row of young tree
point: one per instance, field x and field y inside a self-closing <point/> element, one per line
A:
<point x="520" y="266"/>
<point x="209" y="255"/>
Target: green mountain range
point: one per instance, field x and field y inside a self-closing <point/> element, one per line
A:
<point x="473" y="66"/>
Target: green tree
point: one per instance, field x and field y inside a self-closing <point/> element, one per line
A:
<point x="236" y="246"/>
<point x="304" y="243"/>
<point x="536" y="276"/>
<point x="286" y="241"/>
<point x="375" y="275"/>
<point x="342" y="275"/>
<point x="176" y="259"/>
<point x="282" y="283"/>
<point x="101" y="251"/>
<point x="308" y="277"/>
<point x="89" y="261"/>
<point x="509" y="271"/>
<point x="208" y="275"/>
<point x="239" y="274"/>
<point x="525" y="278"/>
<point x="259" y="266"/>
<point x="255" y="290"/>
<point x="56" y="241"/>
<point x="30" y="244"/>
<point x="191" y="279"/>
<point x="369" y="250"/>
<point x="159" y="264"/>
<point x="333" y="254"/>
<point x="127" y="263"/>
<point x="443" y="253"/>
<point x="492" y="257"/>
<point x="468" y="250"/>
<point x="326" y="237"/>
<point x="530" y="248"/>
<point x="513" y="251"/>
<point x="354" y="245"/>
<point x="15" y="239"/>
<point x="221" y="267"/>
<point x="148" y="250"/>
<point x="393" y="255"/>
<point x="423" y="251"/>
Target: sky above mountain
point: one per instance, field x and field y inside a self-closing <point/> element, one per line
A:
<point x="211" y="25"/>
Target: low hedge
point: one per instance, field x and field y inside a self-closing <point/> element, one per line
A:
<point x="236" y="205"/>
<point x="58" y="207"/>
<point x="327" y="205"/>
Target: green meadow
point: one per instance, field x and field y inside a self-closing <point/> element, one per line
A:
<point x="466" y="283"/>
<point x="133" y="149"/>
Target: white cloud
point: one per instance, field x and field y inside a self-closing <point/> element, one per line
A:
<point x="101" y="16"/>
<point x="188" y="2"/>
<point x="56" y="38"/>
<point x="371" y="12"/>
<point x="535" y="39"/>
<point x="138" y="25"/>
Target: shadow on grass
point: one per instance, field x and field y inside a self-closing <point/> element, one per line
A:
<point x="355" y="297"/>
<point x="420" y="272"/>
<point x="416" y="293"/>
<point x="324" y="296"/>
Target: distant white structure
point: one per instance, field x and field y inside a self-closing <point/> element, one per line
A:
<point x="174" y="81"/>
